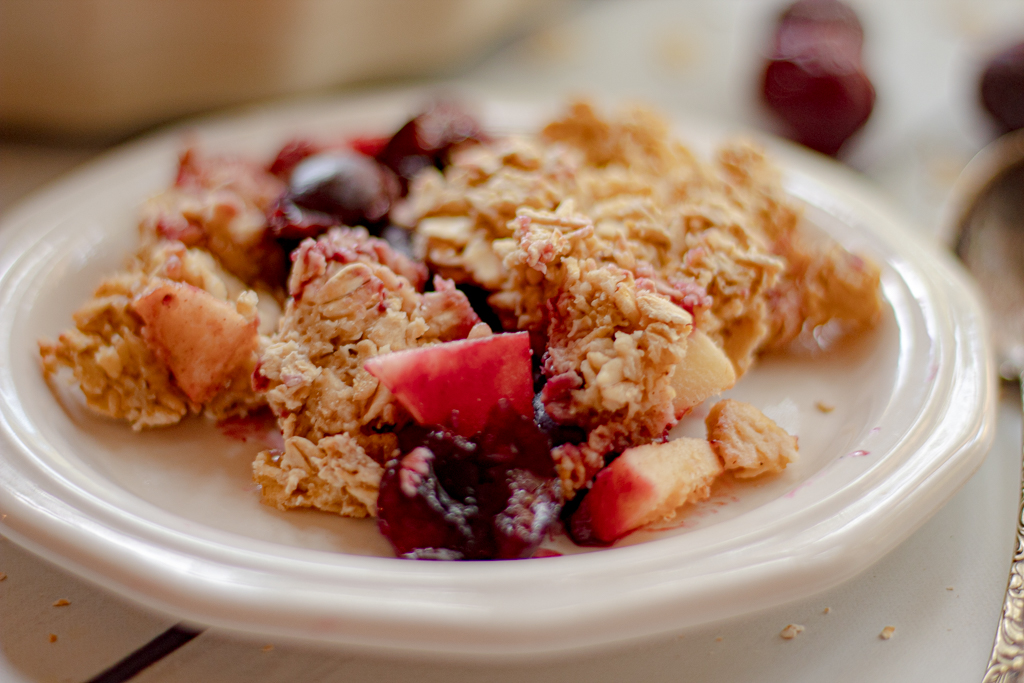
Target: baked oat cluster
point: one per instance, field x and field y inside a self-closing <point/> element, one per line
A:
<point x="624" y="282"/>
<point x="172" y="334"/>
<point x="351" y="297"/>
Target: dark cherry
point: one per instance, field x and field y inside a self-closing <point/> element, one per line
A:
<point x="289" y="157"/>
<point x="490" y="497"/>
<point x="427" y="139"/>
<point x="288" y="221"/>
<point x="350" y="186"/>
<point x="1002" y="88"/>
<point x="558" y="433"/>
<point x="814" y="79"/>
<point x="478" y="301"/>
<point x="370" y="146"/>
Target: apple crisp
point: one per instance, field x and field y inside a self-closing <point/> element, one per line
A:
<point x="642" y="280"/>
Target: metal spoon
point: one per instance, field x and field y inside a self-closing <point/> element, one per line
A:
<point x="989" y="220"/>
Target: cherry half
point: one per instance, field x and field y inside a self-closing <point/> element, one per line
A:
<point x="814" y="79"/>
<point x="1002" y="88"/>
<point x="427" y="139"/>
<point x="493" y="496"/>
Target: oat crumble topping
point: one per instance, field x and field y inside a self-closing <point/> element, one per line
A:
<point x="120" y="374"/>
<point x="351" y="298"/>
<point x="648" y="280"/>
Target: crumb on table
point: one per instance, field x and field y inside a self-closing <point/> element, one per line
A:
<point x="824" y="407"/>
<point x="887" y="632"/>
<point x="61" y="603"/>
<point x="791" y="631"/>
<point x="53" y="637"/>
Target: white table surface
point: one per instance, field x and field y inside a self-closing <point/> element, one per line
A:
<point x="941" y="589"/>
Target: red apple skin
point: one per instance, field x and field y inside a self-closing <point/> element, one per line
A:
<point x="621" y="496"/>
<point x="455" y="384"/>
<point x="200" y="338"/>
<point x="646" y="484"/>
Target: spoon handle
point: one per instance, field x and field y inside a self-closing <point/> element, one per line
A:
<point x="1006" y="665"/>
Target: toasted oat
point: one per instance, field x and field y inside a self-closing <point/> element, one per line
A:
<point x="652" y="208"/>
<point x="616" y="346"/>
<point x="351" y="299"/>
<point x="823" y="284"/>
<point x="219" y="204"/>
<point x="824" y="407"/>
<point x="791" y="631"/>
<point x="749" y="443"/>
<point x="612" y="353"/>
<point x="718" y="239"/>
<point x="335" y="474"/>
<point x="121" y="375"/>
<point x="887" y="632"/>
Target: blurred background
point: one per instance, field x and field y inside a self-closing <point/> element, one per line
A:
<point x="77" y="76"/>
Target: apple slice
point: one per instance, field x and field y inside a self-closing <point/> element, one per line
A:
<point x="455" y="384"/>
<point x="704" y="372"/>
<point x="646" y="484"/>
<point x="200" y="338"/>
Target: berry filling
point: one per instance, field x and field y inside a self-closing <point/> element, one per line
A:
<point x="289" y="157"/>
<point x="288" y="221"/>
<point x="493" y="496"/>
<point x="558" y="433"/>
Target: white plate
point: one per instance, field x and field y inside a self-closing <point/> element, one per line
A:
<point x="171" y="519"/>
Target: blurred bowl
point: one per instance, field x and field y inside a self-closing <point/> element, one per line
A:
<point x="104" y="68"/>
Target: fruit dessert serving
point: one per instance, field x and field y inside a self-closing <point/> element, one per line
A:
<point x="480" y="341"/>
